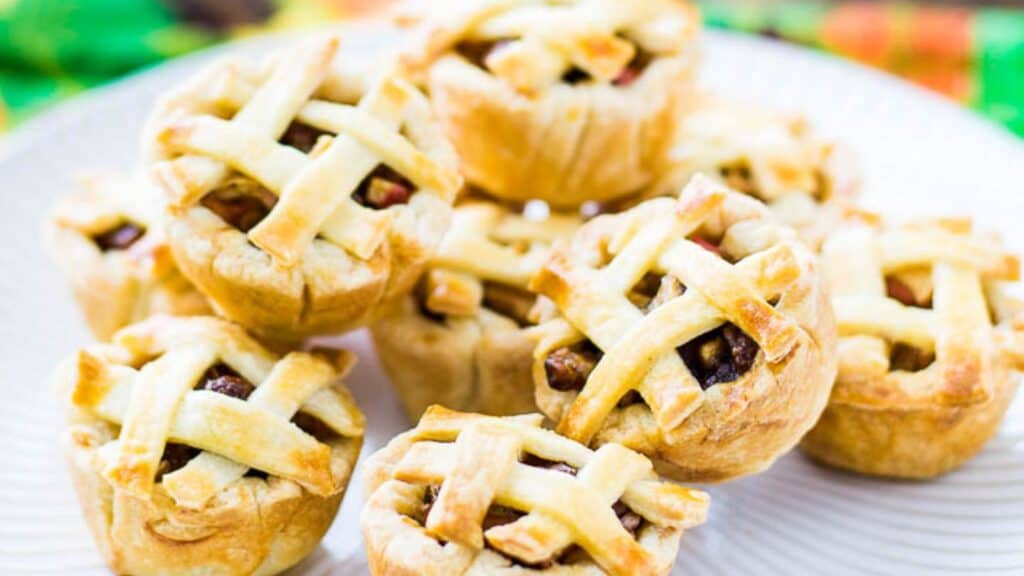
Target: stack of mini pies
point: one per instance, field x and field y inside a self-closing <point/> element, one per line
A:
<point x="585" y="276"/>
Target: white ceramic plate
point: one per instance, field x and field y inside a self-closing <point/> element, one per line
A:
<point x="919" y="153"/>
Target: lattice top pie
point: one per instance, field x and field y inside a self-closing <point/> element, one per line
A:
<point x="463" y="493"/>
<point x="535" y="45"/>
<point x="284" y="180"/>
<point x="107" y="237"/>
<point x="579" y="99"/>
<point x="923" y="311"/>
<point x="189" y="407"/>
<point x="771" y="156"/>
<point x="686" y="326"/>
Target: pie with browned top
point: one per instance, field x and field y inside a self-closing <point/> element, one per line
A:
<point x="930" y="346"/>
<point x="469" y="494"/>
<point x="194" y="450"/>
<point x="300" y="202"/>
<point x="695" y="330"/>
<point x="565" y="101"/>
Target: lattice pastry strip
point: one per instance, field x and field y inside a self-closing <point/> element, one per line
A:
<point x="314" y="191"/>
<point x="542" y="40"/>
<point x="157" y="404"/>
<point x="594" y="302"/>
<point x="561" y="510"/>
<point x="957" y="328"/>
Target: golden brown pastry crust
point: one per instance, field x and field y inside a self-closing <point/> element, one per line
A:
<point x="209" y="516"/>
<point x="480" y="363"/>
<point x="732" y="428"/>
<point x="521" y="132"/>
<point x="923" y="420"/>
<point x="444" y="344"/>
<point x="807" y="183"/>
<point x="446" y="445"/>
<point x="319" y="261"/>
<point x="256" y="527"/>
<point x="116" y="288"/>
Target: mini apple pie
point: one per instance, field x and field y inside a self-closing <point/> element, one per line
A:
<point x="459" y="339"/>
<point x="928" y="349"/>
<point x="773" y="157"/>
<point x="695" y="330"/>
<point x="297" y="212"/>
<point x="196" y="451"/>
<point x="561" y="100"/>
<point x="470" y="494"/>
<point x="107" y="239"/>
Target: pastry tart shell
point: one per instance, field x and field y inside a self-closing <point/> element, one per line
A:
<point x="741" y="427"/>
<point x="256" y="526"/>
<point x="480" y="363"/>
<point x="880" y="437"/>
<point x="568" y="145"/>
<point x="733" y="428"/>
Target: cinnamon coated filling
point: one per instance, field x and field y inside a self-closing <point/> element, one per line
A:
<point x="240" y="203"/>
<point x="569" y="367"/>
<point x="301" y="136"/>
<point x="498" y="515"/>
<point x="383" y="188"/>
<point x="476" y="51"/>
<point x="509" y="301"/>
<point x="738" y="176"/>
<point x="636" y="67"/>
<point x="223" y="379"/>
<point x="120" y="237"/>
<point x="899" y="290"/>
<point x="909" y="358"/>
<point x="722" y="355"/>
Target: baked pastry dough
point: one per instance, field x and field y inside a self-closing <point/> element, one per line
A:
<point x="806" y="183"/>
<point x="470" y="494"/>
<point x="196" y="451"/>
<point x="460" y="339"/>
<point x="565" y="101"/>
<point x="694" y="330"/>
<point x="929" y="342"/>
<point x="296" y="210"/>
<point x="107" y="238"/>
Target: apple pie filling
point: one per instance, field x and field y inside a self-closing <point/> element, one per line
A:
<point x="120" y="237"/>
<point x="909" y="291"/>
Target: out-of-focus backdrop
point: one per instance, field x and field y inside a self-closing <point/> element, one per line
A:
<point x="972" y="52"/>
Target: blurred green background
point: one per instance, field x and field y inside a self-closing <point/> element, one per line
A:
<point x="52" y="49"/>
